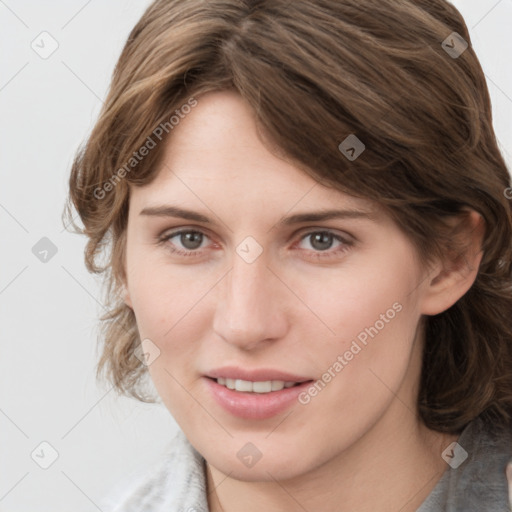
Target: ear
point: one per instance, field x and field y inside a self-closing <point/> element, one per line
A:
<point x="450" y="279"/>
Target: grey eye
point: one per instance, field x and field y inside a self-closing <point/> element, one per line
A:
<point x="190" y="239"/>
<point x="321" y="240"/>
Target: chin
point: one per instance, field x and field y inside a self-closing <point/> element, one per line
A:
<point x="274" y="464"/>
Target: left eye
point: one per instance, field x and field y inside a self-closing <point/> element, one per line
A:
<point x="322" y="240"/>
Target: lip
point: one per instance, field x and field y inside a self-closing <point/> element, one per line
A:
<point x="255" y="375"/>
<point x="254" y="406"/>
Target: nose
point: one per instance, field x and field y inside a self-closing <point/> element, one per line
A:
<point x="251" y="309"/>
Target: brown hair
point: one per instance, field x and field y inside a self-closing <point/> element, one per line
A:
<point x="316" y="72"/>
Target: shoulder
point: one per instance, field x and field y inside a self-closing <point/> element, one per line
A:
<point x="475" y="478"/>
<point x="176" y="481"/>
<point x="489" y="450"/>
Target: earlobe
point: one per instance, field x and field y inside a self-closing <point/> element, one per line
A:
<point x="448" y="281"/>
<point x="125" y="295"/>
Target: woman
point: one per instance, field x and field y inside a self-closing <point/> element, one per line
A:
<point x="309" y="252"/>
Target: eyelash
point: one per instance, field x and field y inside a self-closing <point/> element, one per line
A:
<point x="346" y="244"/>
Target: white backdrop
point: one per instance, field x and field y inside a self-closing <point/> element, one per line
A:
<point x="49" y="310"/>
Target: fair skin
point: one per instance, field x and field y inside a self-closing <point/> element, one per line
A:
<point x="295" y="308"/>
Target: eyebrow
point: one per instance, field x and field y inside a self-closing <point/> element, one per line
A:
<point x="298" y="218"/>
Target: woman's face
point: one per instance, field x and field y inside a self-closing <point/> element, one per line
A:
<point x="261" y="288"/>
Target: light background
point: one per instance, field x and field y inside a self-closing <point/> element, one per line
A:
<point x="49" y="311"/>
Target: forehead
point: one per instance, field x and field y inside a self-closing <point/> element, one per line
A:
<point x="215" y="154"/>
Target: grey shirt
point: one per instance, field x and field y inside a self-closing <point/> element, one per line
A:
<point x="475" y="480"/>
<point x="479" y="483"/>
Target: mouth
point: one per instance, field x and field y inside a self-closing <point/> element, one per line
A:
<point x="258" y="396"/>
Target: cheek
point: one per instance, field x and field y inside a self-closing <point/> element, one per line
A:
<point x="170" y="310"/>
<point x="367" y="316"/>
<point x="363" y="364"/>
<point x="164" y="298"/>
<point x="349" y="300"/>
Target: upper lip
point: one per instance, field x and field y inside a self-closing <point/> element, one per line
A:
<point x="254" y="375"/>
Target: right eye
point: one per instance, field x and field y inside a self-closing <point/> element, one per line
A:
<point x="189" y="239"/>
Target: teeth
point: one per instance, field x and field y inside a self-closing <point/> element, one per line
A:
<point x="261" y="387"/>
<point x="243" y="385"/>
<point x="254" y="387"/>
<point x="277" y="385"/>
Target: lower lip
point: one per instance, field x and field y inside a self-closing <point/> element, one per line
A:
<point x="255" y="406"/>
